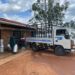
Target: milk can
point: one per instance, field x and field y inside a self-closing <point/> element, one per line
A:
<point x="1" y="46"/>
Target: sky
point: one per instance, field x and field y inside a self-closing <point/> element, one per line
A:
<point x="21" y="10"/>
<point x="17" y="10"/>
<point x="70" y="13"/>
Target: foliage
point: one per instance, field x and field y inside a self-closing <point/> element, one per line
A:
<point x="54" y="14"/>
<point x="70" y="24"/>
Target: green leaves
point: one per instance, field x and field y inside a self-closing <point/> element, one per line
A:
<point x="70" y="24"/>
<point x="66" y="5"/>
<point x="35" y="7"/>
<point x="55" y="13"/>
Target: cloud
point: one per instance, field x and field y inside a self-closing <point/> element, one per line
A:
<point x="70" y="13"/>
<point x="16" y="7"/>
<point x="18" y="17"/>
<point x="15" y="18"/>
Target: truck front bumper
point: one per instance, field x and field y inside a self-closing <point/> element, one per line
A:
<point x="72" y="50"/>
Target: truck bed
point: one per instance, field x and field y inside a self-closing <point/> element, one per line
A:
<point x="40" y="40"/>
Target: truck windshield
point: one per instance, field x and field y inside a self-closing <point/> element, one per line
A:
<point x="63" y="32"/>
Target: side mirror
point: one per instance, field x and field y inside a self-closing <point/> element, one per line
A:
<point x="67" y="37"/>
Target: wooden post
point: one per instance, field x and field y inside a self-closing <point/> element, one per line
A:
<point x="0" y="31"/>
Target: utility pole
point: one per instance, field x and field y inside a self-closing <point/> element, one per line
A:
<point x="50" y="11"/>
<point x="0" y="31"/>
<point x="43" y="2"/>
<point x="45" y="6"/>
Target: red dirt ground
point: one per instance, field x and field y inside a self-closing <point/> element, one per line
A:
<point x="40" y="63"/>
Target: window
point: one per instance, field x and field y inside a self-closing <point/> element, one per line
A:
<point x="60" y="32"/>
<point x="63" y="32"/>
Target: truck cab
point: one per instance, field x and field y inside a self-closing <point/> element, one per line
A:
<point x="62" y="40"/>
<point x="62" y="37"/>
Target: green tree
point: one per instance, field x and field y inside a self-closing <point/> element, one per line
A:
<point x="53" y="15"/>
<point x="70" y="24"/>
<point x="54" y="12"/>
<point x="67" y="24"/>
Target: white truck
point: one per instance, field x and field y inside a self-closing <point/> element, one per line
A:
<point x="60" y="41"/>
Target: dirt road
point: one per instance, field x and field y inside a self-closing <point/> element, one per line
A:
<point x="40" y="63"/>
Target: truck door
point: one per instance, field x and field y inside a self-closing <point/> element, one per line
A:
<point x="62" y="38"/>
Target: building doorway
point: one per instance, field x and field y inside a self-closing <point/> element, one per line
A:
<point x="17" y="34"/>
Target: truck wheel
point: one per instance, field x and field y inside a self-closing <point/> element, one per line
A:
<point x="34" y="48"/>
<point x="59" y="50"/>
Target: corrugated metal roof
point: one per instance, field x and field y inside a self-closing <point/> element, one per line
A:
<point x="11" y="22"/>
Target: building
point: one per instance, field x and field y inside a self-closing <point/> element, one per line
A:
<point x="10" y="28"/>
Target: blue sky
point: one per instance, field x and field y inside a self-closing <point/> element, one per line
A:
<point x="20" y="10"/>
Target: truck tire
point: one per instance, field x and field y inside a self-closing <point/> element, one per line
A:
<point x="59" y="50"/>
<point x="34" y="48"/>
